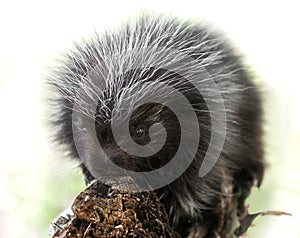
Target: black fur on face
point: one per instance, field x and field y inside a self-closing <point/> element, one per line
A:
<point x="146" y="116"/>
<point x="141" y="121"/>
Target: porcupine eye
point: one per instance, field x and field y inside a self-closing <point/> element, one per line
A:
<point x="140" y="134"/>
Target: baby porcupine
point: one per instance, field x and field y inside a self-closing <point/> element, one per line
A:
<point x="110" y="75"/>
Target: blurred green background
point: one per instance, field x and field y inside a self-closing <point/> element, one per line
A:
<point x="37" y="182"/>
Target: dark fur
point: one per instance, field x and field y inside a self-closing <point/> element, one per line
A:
<point x="242" y="155"/>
